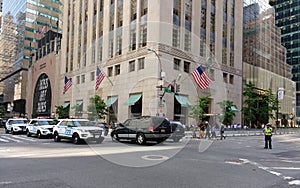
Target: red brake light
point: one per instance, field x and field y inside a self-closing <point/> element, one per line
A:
<point x="150" y="129"/>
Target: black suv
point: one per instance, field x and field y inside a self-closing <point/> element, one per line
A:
<point x="143" y="129"/>
<point x="177" y="131"/>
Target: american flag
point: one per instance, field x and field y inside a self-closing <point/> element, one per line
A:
<point x="68" y="84"/>
<point x="201" y="78"/>
<point x="99" y="77"/>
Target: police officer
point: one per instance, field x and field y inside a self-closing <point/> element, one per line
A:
<point x="268" y="136"/>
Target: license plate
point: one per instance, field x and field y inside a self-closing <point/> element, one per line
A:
<point x="96" y="135"/>
<point x="162" y="130"/>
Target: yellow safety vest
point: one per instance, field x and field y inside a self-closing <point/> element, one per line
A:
<point x="268" y="131"/>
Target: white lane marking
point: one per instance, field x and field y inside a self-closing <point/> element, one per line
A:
<point x="2" y="140"/>
<point x="287" y="178"/>
<point x="286" y="168"/>
<point x="290" y="140"/>
<point x="22" y="138"/>
<point x="271" y="171"/>
<point x="294" y="182"/>
<point x="6" y="137"/>
<point x="5" y="182"/>
<point x="4" y="150"/>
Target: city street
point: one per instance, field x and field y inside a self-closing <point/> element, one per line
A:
<point x="233" y="162"/>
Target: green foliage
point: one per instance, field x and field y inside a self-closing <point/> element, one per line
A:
<point x="259" y="105"/>
<point x="2" y="111"/>
<point x="62" y="112"/>
<point x="199" y="111"/>
<point x="227" y="113"/>
<point x="97" y="108"/>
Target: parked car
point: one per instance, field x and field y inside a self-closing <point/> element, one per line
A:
<point x="15" y="125"/>
<point x="143" y="129"/>
<point x="77" y="130"/>
<point x="3" y="122"/>
<point x="178" y="130"/>
<point x="40" y="127"/>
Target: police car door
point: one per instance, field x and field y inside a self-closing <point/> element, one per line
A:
<point x="33" y="126"/>
<point x="69" y="129"/>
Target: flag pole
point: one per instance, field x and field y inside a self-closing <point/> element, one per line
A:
<point x="109" y="81"/>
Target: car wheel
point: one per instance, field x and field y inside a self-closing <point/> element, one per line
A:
<point x="39" y="135"/>
<point x="12" y="131"/>
<point x="140" y="139"/>
<point x="114" y="137"/>
<point x="28" y="133"/>
<point x="6" y="130"/>
<point x="56" y="137"/>
<point x="75" y="138"/>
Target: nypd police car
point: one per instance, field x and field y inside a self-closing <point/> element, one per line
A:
<point x="15" y="125"/>
<point x="77" y="130"/>
<point x="40" y="127"/>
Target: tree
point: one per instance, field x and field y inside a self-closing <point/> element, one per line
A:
<point x="259" y="105"/>
<point x="97" y="108"/>
<point x="62" y="112"/>
<point x="2" y="111"/>
<point x="228" y="113"/>
<point x="199" y="111"/>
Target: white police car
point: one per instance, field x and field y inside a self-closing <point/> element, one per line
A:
<point x="15" y="125"/>
<point x="77" y="130"/>
<point x="40" y="127"/>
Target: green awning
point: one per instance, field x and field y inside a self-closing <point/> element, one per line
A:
<point x="232" y="108"/>
<point x="78" y="103"/>
<point x="66" y="104"/>
<point x="110" y="101"/>
<point x="132" y="99"/>
<point x="183" y="100"/>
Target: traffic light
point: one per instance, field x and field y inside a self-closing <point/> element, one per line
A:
<point x="177" y="88"/>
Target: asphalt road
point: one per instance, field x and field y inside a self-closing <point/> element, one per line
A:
<point x="234" y="162"/>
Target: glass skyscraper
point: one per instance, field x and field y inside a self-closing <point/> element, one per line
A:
<point x="33" y="18"/>
<point x="287" y="16"/>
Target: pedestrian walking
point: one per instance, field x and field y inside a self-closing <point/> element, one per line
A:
<point x="268" y="136"/>
<point x="208" y="129"/>
<point x="213" y="132"/>
<point x="222" y="131"/>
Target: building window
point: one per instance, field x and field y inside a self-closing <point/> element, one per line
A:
<point x="176" y="64"/>
<point x="141" y="63"/>
<point x="77" y="79"/>
<point x="133" y="39"/>
<point x="143" y="37"/>
<point x="119" y="45"/>
<point x="92" y="76"/>
<point x="231" y="79"/>
<point x="225" y="77"/>
<point x="131" y="66"/>
<point x="117" y="69"/>
<point x="202" y="48"/>
<point x="111" y="48"/>
<point x="176" y="36"/>
<point x="82" y="78"/>
<point x="186" y="67"/>
<point x="110" y="71"/>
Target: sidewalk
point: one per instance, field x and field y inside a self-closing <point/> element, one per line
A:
<point x="248" y="132"/>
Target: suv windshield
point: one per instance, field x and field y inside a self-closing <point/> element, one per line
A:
<point x="84" y="123"/>
<point x="48" y="122"/>
<point x="18" y="121"/>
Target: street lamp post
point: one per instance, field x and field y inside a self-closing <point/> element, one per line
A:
<point x="160" y="84"/>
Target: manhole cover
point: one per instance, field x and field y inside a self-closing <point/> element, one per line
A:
<point x="155" y="157"/>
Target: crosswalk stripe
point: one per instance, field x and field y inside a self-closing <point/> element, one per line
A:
<point x="6" y="137"/>
<point x="2" y="140"/>
<point x="28" y="139"/>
